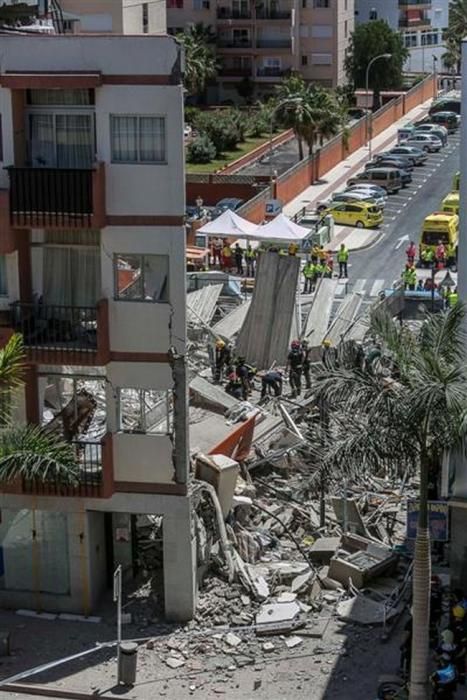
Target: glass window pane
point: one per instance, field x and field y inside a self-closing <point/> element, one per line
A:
<point x="75" y="141"/>
<point x="145" y="411"/>
<point x="152" y="139"/>
<point x="3" y="284"/>
<point x="124" y="142"/>
<point x="42" y="140"/>
<point x="79" y="97"/>
<point x="156" y="278"/>
<point x="128" y="277"/>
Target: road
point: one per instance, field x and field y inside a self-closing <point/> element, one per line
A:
<point x="376" y="268"/>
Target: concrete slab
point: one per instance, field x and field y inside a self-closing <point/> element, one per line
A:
<point x="346" y="315"/>
<point x="211" y="396"/>
<point x="317" y="321"/>
<point x="271" y="613"/>
<point x="362" y="611"/>
<point x="232" y="322"/>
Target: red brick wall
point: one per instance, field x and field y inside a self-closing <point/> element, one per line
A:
<point x="213" y="192"/>
<point x="292" y="184"/>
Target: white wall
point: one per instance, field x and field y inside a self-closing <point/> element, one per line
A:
<point x="143" y="458"/>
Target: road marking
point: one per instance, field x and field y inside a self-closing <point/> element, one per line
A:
<point x="378" y="285"/>
<point x="340" y="289"/>
<point x="359" y="285"/>
<point x="400" y="241"/>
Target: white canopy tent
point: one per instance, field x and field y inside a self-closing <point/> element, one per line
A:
<point x="282" y="229"/>
<point x="229" y="224"/>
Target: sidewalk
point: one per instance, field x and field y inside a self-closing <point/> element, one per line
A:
<point x="355" y="239"/>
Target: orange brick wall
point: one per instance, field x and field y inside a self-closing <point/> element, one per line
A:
<point x="212" y="192"/>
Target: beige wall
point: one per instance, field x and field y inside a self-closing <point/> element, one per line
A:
<point x="117" y="16"/>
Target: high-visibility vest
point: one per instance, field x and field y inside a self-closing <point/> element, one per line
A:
<point x="342" y="255"/>
<point x="250" y="254"/>
<point x="453" y="298"/>
<point x="309" y="270"/>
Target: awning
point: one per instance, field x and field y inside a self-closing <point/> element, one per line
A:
<point x="229" y="225"/>
<point x="282" y="229"/>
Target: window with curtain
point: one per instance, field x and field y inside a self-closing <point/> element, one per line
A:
<point x="61" y="140"/>
<point x="141" y="277"/>
<point x="138" y="139"/>
<point x="43" y="98"/>
<point x="71" y="274"/>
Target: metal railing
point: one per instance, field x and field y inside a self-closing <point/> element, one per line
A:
<point x="56" y="328"/>
<point x="270" y="72"/>
<point x="234" y="43"/>
<point x="229" y="13"/>
<point x="230" y="72"/>
<point x="273" y="14"/>
<point x="51" y="196"/>
<point x="273" y="43"/>
<point x="89" y="477"/>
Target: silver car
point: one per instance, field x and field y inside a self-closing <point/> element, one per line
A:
<point x="428" y="142"/>
<point x="349" y="197"/>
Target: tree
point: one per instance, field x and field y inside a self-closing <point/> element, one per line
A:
<point x="368" y="41"/>
<point x="404" y="403"/>
<point x="200" y="60"/>
<point x="30" y="452"/>
<point x="456" y="31"/>
<point x="201" y="150"/>
<point x="311" y="111"/>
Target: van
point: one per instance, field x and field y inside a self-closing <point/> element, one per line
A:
<point x="446" y="104"/>
<point x="447" y="119"/>
<point x="456" y="182"/>
<point x="444" y="227"/>
<point x="450" y="203"/>
<point x="387" y="178"/>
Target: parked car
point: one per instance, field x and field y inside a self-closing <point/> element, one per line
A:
<point x="405" y="175"/>
<point x="428" y="142"/>
<point x="232" y="203"/>
<point x="373" y="190"/>
<point x="436" y="129"/>
<point x="351" y="197"/>
<point x="450" y="120"/>
<point x="388" y="178"/>
<point x="446" y="104"/>
<point x="359" y="214"/>
<point x="389" y="162"/>
<point x="412" y="153"/>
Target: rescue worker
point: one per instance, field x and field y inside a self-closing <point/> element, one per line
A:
<point x="293" y="248"/>
<point x="217" y="246"/>
<point x="409" y="277"/>
<point x="427" y="257"/>
<point x="444" y="680"/>
<point x="420" y="287"/>
<point x="250" y="258"/>
<point x="342" y="259"/>
<point x="234" y="386"/>
<point x="238" y="255"/>
<point x="295" y="367"/>
<point x="222" y="359"/>
<point x="330" y="263"/>
<point x="309" y="275"/>
<point x="411" y="252"/>
<point x="245" y="373"/>
<point x="271" y="383"/>
<point x="227" y="257"/>
<point x="322" y="254"/>
<point x="306" y="350"/>
<point x="453" y="298"/>
<point x="440" y="254"/>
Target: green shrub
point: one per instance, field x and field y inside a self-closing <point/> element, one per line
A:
<point x="201" y="150"/>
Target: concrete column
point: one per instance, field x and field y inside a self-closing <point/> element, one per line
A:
<point x="179" y="564"/>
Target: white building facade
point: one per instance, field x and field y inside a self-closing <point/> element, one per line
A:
<point x="92" y="272"/>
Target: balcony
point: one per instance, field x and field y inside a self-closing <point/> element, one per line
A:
<point x="270" y="72"/>
<point x="234" y="43"/>
<point x="64" y="335"/>
<point x="273" y="43"/>
<point x="95" y="474"/>
<point x="273" y="14"/>
<point x="241" y="72"/>
<point x="229" y="13"/>
<point x="57" y="198"/>
<point x="419" y="4"/>
<point x="414" y="23"/>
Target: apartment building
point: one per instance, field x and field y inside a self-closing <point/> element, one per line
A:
<point x="421" y="23"/>
<point x="92" y="273"/>
<point x="263" y="41"/>
<point x="113" y="16"/>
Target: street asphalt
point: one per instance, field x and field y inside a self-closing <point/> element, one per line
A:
<point x="378" y="267"/>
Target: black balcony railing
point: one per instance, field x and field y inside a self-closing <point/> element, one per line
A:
<point x="62" y="329"/>
<point x="88" y="480"/>
<point x="274" y="43"/>
<point x="51" y="196"/>
<point x="234" y="43"/>
<point x="415" y="3"/>
<point x="229" y="13"/>
<point x="270" y="72"/>
<point x="232" y="72"/>
<point x="273" y="14"/>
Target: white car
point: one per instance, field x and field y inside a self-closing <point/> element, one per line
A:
<point x="370" y="190"/>
<point x="346" y="196"/>
<point x="428" y="142"/>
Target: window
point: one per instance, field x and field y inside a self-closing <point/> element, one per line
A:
<point x="146" y="411"/>
<point x="175" y="4"/>
<point x="429" y="38"/>
<point x="304" y="60"/>
<point x="410" y="39"/>
<point x="59" y="98"/>
<point x="321" y="59"/>
<point x="201" y="4"/>
<point x="321" y="3"/>
<point x="141" y="277"/>
<point x="3" y="283"/>
<point x="145" y="9"/>
<point x="373" y="14"/>
<point x="137" y="139"/>
<point x="346" y="29"/>
<point x="57" y="140"/>
<point x="345" y="6"/>
<point x="304" y="4"/>
<point x="321" y="31"/>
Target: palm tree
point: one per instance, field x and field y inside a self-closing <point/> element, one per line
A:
<point x="309" y="110"/>
<point x="200" y="60"/>
<point x="405" y="403"/>
<point x="30" y="452"/>
<point x="456" y="31"/>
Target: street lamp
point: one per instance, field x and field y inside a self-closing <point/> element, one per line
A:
<point x="369" y="114"/>
<point x="292" y="100"/>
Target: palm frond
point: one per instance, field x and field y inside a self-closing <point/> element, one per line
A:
<point x="12" y="362"/>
